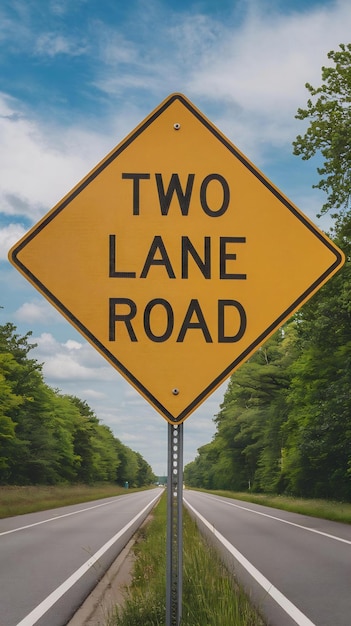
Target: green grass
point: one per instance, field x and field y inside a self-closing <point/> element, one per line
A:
<point x="20" y="500"/>
<point x="325" y="509"/>
<point x="210" y="595"/>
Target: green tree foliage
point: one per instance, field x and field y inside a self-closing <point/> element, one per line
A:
<point x="145" y="475"/>
<point x="128" y="469"/>
<point x="247" y="448"/>
<point x="329" y="113"/>
<point x="47" y="437"/>
<point x="9" y="401"/>
<point x="318" y="429"/>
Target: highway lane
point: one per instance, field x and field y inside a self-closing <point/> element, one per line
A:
<point x="50" y="561"/>
<point x="297" y="568"/>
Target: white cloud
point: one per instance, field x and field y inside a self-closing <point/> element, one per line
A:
<point x="48" y="161"/>
<point x="73" y="345"/>
<point x="47" y="344"/>
<point x="260" y="69"/>
<point x="9" y="235"/>
<point x="70" y="361"/>
<point x="13" y="30"/>
<point x="60" y="7"/>
<point x="20" y="28"/>
<point x="114" y="47"/>
<point x="36" y="312"/>
<point x="93" y="394"/>
<point x="52" y="44"/>
<point x="61" y="367"/>
<point x="253" y="73"/>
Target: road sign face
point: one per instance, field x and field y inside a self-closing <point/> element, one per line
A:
<point x="176" y="258"/>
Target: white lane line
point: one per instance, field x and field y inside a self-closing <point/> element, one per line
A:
<point x="44" y="606"/>
<point x="300" y="618"/>
<point x="284" y="521"/>
<point x="53" y="519"/>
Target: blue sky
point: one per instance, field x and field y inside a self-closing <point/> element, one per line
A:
<point x="77" y="77"/>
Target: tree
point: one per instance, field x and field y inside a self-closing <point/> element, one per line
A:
<point x="127" y="471"/>
<point x="105" y="458"/>
<point x="317" y="459"/>
<point x="47" y="437"/>
<point x="208" y="464"/>
<point x="329" y="131"/>
<point x="145" y="474"/>
<point x="8" y="403"/>
<point x="84" y="430"/>
<point x="247" y="447"/>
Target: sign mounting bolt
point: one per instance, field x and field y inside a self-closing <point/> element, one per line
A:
<point x="176" y="126"/>
<point x="175" y="391"/>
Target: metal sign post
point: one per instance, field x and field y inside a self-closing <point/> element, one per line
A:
<point x="174" y="567"/>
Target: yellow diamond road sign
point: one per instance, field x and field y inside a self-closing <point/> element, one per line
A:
<point x="176" y="258"/>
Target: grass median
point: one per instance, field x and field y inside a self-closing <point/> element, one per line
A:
<point x="211" y="596"/>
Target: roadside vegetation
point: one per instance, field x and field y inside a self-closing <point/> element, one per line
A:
<point x="210" y="593"/>
<point x="28" y="499"/>
<point x="325" y="509"/>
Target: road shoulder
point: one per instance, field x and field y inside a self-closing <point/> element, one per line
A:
<point x="108" y="593"/>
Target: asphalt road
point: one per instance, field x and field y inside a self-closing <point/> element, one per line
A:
<point x="50" y="561"/>
<point x="297" y="568"/>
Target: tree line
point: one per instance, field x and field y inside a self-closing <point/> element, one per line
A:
<point x="47" y="437"/>
<point x="285" y="422"/>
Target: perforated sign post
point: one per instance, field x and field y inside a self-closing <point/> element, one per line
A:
<point x="176" y="259"/>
